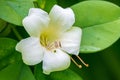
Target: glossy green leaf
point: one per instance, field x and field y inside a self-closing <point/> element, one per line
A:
<point x="8" y="54"/>
<point x="39" y="73"/>
<point x="99" y="37"/>
<point x="5" y="31"/>
<point x="65" y="75"/>
<point x="14" y="11"/>
<point x="60" y="75"/>
<point x="2" y="25"/>
<point x="100" y="22"/>
<point x="89" y="13"/>
<point x="46" y="4"/>
<point x="67" y="3"/>
<point x="17" y="71"/>
<point x="4" y="28"/>
<point x="49" y="4"/>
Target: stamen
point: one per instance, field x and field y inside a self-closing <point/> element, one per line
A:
<point x="43" y="40"/>
<point x="53" y="45"/>
<point x="76" y="63"/>
<point x="82" y="61"/>
<point x="60" y="44"/>
<point x="56" y="44"/>
<point x="50" y="46"/>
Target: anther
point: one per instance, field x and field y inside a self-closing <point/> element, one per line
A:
<point x="53" y="45"/>
<point x="60" y="44"/>
<point x="56" y="44"/>
<point x="50" y="46"/>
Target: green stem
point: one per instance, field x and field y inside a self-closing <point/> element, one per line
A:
<point x="39" y="4"/>
<point x="16" y="33"/>
<point x="35" y="4"/>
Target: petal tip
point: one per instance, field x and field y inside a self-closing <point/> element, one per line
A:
<point x="62" y="17"/>
<point x="17" y="47"/>
<point x="30" y="63"/>
<point x="36" y="11"/>
<point x="46" y="72"/>
<point x="56" y="6"/>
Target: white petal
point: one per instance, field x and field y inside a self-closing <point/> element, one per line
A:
<point x="32" y="52"/>
<point x="55" y="61"/>
<point x="70" y="41"/>
<point x="62" y="18"/>
<point x="37" y="11"/>
<point x="36" y="20"/>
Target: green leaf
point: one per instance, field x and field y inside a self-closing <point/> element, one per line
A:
<point x="67" y="3"/>
<point x="100" y="22"/>
<point x="46" y="4"/>
<point x="2" y="25"/>
<point x="89" y="13"/>
<point x="49" y="4"/>
<point x="65" y="75"/>
<point x="99" y="37"/>
<point x="60" y="75"/>
<point x="17" y="71"/>
<point x="39" y="73"/>
<point x="8" y="54"/>
<point x="4" y="28"/>
<point x="14" y="11"/>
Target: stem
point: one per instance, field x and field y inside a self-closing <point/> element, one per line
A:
<point x="35" y="4"/>
<point x="16" y="33"/>
<point x="39" y="4"/>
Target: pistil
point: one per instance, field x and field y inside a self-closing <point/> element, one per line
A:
<point x="78" y="65"/>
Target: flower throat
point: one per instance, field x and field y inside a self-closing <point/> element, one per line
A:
<point x="49" y="38"/>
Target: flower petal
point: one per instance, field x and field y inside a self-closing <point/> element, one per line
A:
<point x="61" y="18"/>
<point x="32" y="51"/>
<point x="70" y="41"/>
<point x="36" y="20"/>
<point x="55" y="61"/>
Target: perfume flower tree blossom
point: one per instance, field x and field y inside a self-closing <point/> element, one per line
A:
<point x="52" y="38"/>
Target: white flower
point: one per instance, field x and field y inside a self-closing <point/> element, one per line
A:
<point x="51" y="38"/>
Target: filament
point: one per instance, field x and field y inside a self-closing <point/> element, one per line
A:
<point x="82" y="61"/>
<point x="53" y="45"/>
<point x="76" y="63"/>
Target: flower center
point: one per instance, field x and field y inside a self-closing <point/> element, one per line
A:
<point x="49" y="38"/>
